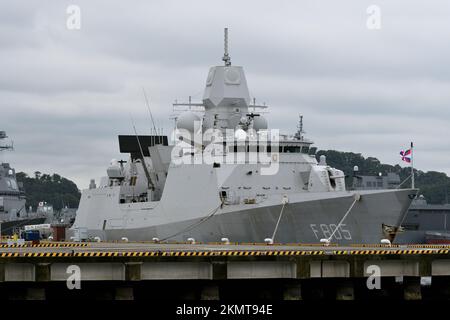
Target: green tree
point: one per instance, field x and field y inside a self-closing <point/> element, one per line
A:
<point x="433" y="185"/>
<point x="53" y="189"/>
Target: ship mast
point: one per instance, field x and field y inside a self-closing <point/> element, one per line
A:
<point x="6" y="146"/>
<point x="226" y="57"/>
<point x="299" y="134"/>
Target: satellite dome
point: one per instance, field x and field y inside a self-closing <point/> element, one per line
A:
<point x="259" y="123"/>
<point x="187" y="120"/>
<point x="240" y="135"/>
<point x="114" y="171"/>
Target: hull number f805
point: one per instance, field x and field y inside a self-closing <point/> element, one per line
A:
<point x="326" y="230"/>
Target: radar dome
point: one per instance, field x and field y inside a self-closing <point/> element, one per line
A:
<point x="259" y="123"/>
<point x="240" y="135"/>
<point x="187" y="120"/>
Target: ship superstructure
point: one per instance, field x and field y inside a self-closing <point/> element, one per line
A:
<point x="13" y="213"/>
<point x="423" y="223"/>
<point x="229" y="176"/>
<point x="12" y="199"/>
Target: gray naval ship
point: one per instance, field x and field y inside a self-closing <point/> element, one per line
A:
<point x="426" y="223"/>
<point x="13" y="213"/>
<point x="423" y="223"/>
<point x="192" y="191"/>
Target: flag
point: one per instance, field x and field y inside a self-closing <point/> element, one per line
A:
<point x="406" y="155"/>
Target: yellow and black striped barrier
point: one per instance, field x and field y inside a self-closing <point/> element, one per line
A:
<point x="13" y="245"/>
<point x="384" y="252"/>
<point x="46" y="245"/>
<point x="376" y="245"/>
<point x="158" y="254"/>
<point x="433" y="246"/>
<point x="60" y="245"/>
<point x="230" y="253"/>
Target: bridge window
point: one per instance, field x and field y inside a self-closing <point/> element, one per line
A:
<point x="260" y="148"/>
<point x="269" y="149"/>
<point x="291" y="149"/>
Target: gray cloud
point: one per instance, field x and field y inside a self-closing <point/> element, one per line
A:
<point x="66" y="95"/>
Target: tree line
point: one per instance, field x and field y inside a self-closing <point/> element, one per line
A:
<point x="53" y="189"/>
<point x="435" y="186"/>
<point x="432" y="184"/>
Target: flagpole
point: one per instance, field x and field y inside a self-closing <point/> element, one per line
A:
<point x="412" y="166"/>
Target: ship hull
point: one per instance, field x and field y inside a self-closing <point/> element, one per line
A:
<point x="303" y="221"/>
<point x="8" y="228"/>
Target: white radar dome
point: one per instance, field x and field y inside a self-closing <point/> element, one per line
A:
<point x="187" y="120"/>
<point x="240" y="135"/>
<point x="259" y="123"/>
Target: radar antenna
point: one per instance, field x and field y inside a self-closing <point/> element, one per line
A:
<point x="300" y="132"/>
<point x="226" y="57"/>
<point x="144" y="165"/>
<point x="153" y="138"/>
<point x="6" y="146"/>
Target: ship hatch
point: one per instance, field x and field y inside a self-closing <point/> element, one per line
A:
<point x="332" y="179"/>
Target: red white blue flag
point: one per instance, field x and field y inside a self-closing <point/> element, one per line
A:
<point x="406" y="155"/>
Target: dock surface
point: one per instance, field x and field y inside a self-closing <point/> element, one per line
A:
<point x="213" y="271"/>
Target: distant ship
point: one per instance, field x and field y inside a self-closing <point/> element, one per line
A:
<point x="230" y="187"/>
<point x="423" y="223"/>
<point x="13" y="213"/>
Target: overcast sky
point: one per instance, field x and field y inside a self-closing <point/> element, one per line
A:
<point x="66" y="94"/>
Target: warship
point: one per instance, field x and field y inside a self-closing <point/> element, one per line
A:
<point x="426" y="223"/>
<point x="423" y="223"/>
<point x="13" y="213"/>
<point x="227" y="177"/>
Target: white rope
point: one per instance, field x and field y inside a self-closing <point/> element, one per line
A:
<point x="407" y="178"/>
<point x="195" y="224"/>
<point x="278" y="222"/>
<point x="343" y="218"/>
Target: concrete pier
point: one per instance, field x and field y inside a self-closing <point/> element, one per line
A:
<point x="212" y="272"/>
